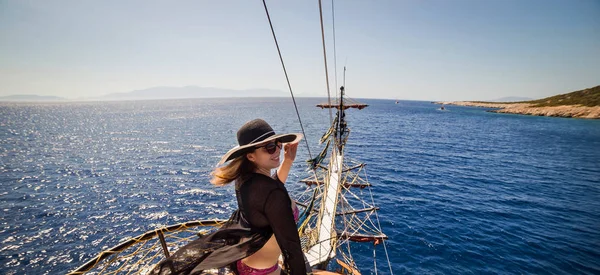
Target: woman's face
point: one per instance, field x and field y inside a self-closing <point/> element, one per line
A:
<point x="262" y="158"/>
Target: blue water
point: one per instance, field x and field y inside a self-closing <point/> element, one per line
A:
<point x="461" y="191"/>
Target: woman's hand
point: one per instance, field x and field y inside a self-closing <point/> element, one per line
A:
<point x="289" y="154"/>
<point x="289" y="151"/>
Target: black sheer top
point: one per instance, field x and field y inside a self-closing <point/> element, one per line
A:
<point x="266" y="205"/>
<point x="264" y="210"/>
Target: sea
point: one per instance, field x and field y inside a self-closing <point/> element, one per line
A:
<point x="460" y="191"/>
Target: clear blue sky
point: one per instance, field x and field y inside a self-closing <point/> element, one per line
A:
<point x="423" y="50"/>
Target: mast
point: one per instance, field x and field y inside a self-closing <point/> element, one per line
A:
<point x="324" y="250"/>
<point x="325" y="247"/>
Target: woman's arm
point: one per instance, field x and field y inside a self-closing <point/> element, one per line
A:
<point x="281" y="219"/>
<point x="289" y="154"/>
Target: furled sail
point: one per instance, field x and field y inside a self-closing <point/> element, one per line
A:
<point x="344" y="217"/>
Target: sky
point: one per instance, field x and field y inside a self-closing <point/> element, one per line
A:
<point x="409" y="49"/>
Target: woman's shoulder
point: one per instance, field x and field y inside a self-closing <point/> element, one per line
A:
<point x="266" y="183"/>
<point x="256" y="191"/>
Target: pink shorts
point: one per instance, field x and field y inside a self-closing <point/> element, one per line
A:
<point x="243" y="269"/>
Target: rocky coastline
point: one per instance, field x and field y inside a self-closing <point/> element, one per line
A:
<point x="572" y="111"/>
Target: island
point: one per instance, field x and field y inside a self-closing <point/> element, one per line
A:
<point x="579" y="104"/>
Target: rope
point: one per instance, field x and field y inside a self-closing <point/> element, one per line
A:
<point x="290" y="86"/>
<point x="344" y="211"/>
<point x="330" y="118"/>
<point x="379" y="224"/>
<point x="334" y="52"/>
<point x="288" y="79"/>
<point x="142" y="252"/>
<point x="375" y="259"/>
<point x="325" y="60"/>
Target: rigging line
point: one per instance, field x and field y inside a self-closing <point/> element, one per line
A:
<point x="334" y="52"/>
<point x="346" y="224"/>
<point x="288" y="79"/>
<point x="381" y="230"/>
<point x="375" y="259"/>
<point x="325" y="60"/>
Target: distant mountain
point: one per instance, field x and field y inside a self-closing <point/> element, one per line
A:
<point x="31" y="98"/>
<point x="190" y="92"/>
<point x="511" y="99"/>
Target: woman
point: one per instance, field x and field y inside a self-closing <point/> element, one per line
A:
<point x="264" y="226"/>
<point x="262" y="198"/>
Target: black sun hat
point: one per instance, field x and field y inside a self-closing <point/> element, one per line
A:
<point x="255" y="132"/>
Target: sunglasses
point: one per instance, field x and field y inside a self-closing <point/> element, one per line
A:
<point x="271" y="147"/>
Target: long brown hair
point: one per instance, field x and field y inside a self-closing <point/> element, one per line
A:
<point x="237" y="168"/>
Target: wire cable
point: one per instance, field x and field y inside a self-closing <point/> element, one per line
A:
<point x="288" y="79"/>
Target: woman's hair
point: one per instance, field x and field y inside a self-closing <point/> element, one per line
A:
<point x="237" y="168"/>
